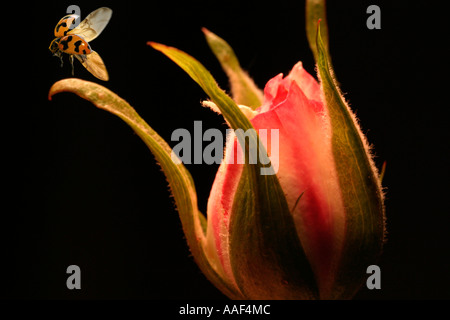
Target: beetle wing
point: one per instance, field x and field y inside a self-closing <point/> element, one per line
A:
<point x="65" y="25"/>
<point x="94" y="64"/>
<point x="91" y="27"/>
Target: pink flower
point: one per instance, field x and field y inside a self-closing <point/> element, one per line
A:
<point x="293" y="105"/>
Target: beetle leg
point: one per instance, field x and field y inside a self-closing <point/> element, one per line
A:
<point x="59" y="55"/>
<point x="71" y="63"/>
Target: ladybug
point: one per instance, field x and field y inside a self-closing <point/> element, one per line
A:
<point x="74" y="41"/>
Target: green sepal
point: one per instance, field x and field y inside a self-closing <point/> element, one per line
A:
<point x="267" y="258"/>
<point x="359" y="183"/>
<point x="243" y="89"/>
<point x="315" y="11"/>
<point x="178" y="177"/>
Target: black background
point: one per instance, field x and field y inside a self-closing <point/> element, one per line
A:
<point x="81" y="188"/>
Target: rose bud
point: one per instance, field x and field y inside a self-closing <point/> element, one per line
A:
<point x="330" y="227"/>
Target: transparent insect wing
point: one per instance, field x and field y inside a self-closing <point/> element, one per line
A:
<point x="91" y="27"/>
<point x="94" y="64"/>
